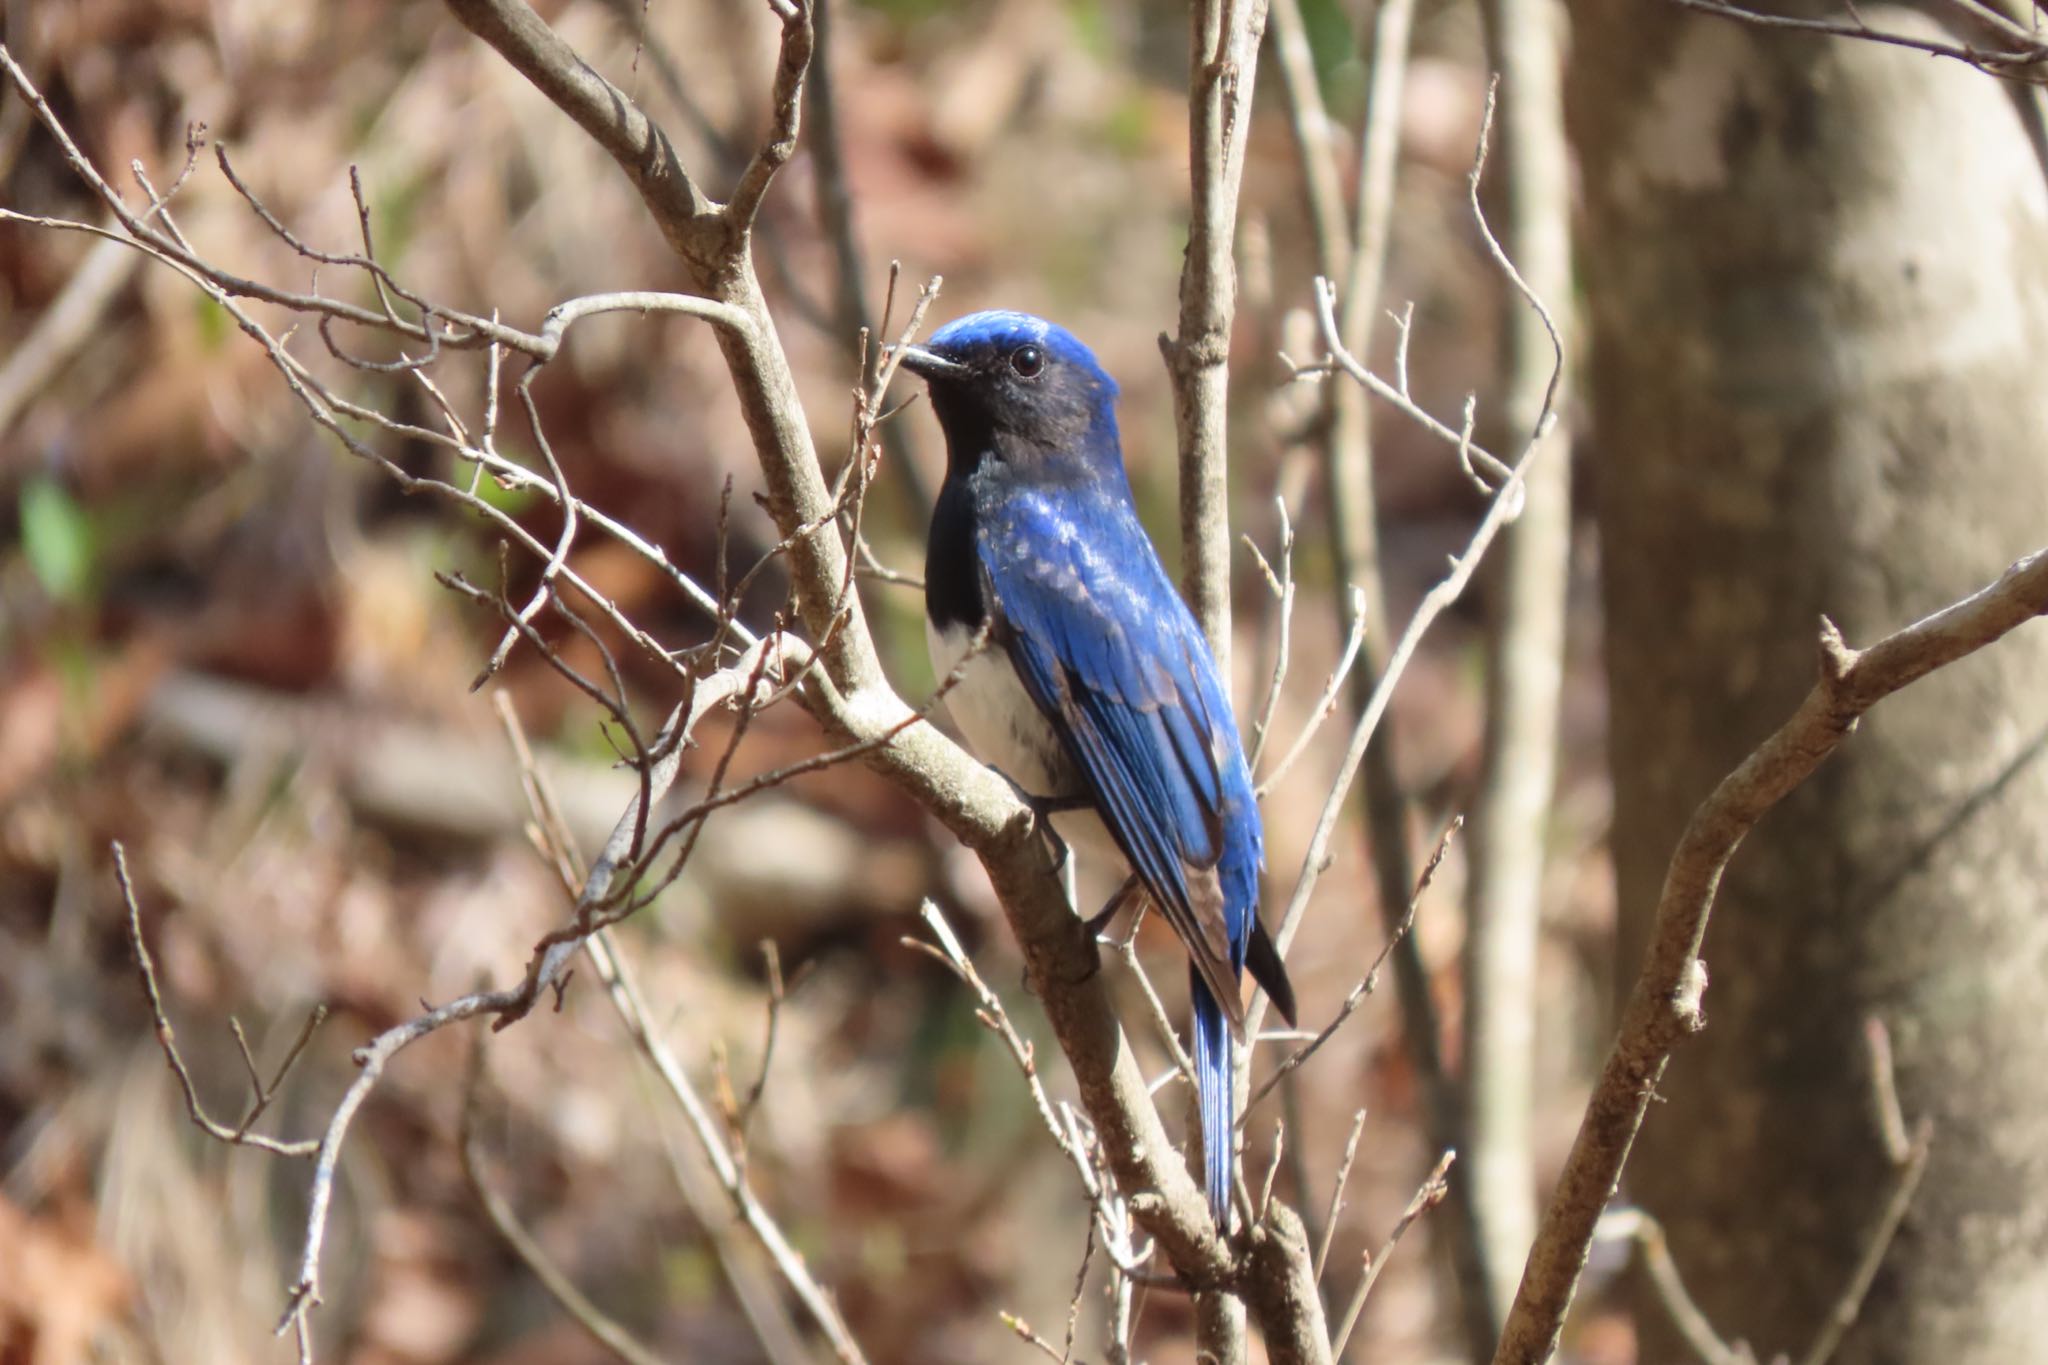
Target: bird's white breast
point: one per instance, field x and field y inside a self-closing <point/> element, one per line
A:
<point x="1005" y="729"/>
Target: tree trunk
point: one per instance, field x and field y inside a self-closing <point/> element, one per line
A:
<point x="1817" y="273"/>
<point x="1525" y="678"/>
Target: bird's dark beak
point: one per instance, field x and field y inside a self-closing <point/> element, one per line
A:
<point x="928" y="365"/>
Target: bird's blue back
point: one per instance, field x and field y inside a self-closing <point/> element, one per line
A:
<point x="1100" y="635"/>
<point x="1076" y="596"/>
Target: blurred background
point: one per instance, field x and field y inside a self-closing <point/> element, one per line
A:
<point x="222" y="642"/>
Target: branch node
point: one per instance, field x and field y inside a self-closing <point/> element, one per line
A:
<point x="1836" y="658"/>
<point x="1686" y="1004"/>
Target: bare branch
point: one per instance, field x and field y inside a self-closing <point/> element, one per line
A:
<point x="1432" y="1193"/>
<point x="1379" y="155"/>
<point x="544" y="591"/>
<point x="1433" y="604"/>
<point x="1909" y="1158"/>
<point x="603" y="1329"/>
<point x="1337" y="1194"/>
<point x="1327" y="702"/>
<point x="1698" y="1333"/>
<point x="168" y="246"/>
<point x="1031" y="1338"/>
<point x="1884" y="1091"/>
<point x="506" y="1005"/>
<point x="1345" y="436"/>
<point x="266" y="1091"/>
<point x="1370" y="981"/>
<point x="626" y="998"/>
<point x="2023" y="62"/>
<point x="1663" y="1009"/>
<point x="1355" y="539"/>
<point x="758" y="1300"/>
<point x="793" y="60"/>
<point x="1283" y="593"/>
<point x="1224" y="52"/>
<point x="1341" y="357"/>
<point x="166" y="1038"/>
<point x="602" y="110"/>
<point x="1322" y="182"/>
<point x="1265" y="1199"/>
<point x="996" y="1020"/>
<point x="1909" y="1161"/>
<point x="1546" y="409"/>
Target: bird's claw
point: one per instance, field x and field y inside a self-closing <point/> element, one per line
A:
<point x="1099" y="921"/>
<point x="1042" y="809"/>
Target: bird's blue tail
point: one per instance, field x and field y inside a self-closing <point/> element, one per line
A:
<point x="1214" y="1078"/>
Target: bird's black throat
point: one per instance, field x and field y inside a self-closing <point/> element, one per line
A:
<point x="952" y="577"/>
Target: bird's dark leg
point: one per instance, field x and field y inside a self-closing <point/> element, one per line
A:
<point x="1117" y="898"/>
<point x="1094" y="923"/>
<point x="1043" y="808"/>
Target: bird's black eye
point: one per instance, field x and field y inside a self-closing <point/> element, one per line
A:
<point x="1027" y="361"/>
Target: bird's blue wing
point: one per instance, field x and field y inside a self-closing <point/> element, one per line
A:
<point x="1104" y="645"/>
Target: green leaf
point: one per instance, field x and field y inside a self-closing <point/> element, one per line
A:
<point x="1092" y="28"/>
<point x="213" y="324"/>
<point x="511" y="501"/>
<point x="57" y="537"/>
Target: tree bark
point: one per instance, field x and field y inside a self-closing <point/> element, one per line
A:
<point x="1817" y="274"/>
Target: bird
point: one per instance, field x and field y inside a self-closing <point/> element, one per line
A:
<point x="1081" y="674"/>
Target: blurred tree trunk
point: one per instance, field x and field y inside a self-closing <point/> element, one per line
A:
<point x="1817" y="273"/>
<point x="1525" y="674"/>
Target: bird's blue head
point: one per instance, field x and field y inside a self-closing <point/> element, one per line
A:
<point x="1018" y="389"/>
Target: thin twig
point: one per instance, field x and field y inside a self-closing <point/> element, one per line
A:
<point x="793" y="60"/>
<point x="624" y="993"/>
<point x="1031" y="1338"/>
<point x="266" y="1091"/>
<point x="1669" y="1285"/>
<point x="1322" y="1259"/>
<point x="1326" y="703"/>
<point x="1884" y="1090"/>
<point x="603" y="1329"/>
<point x="1909" y="1161"/>
<point x="1169" y="1037"/>
<point x="1370" y="981"/>
<point x="1265" y="1199"/>
<point x="1283" y="593"/>
<point x="1432" y="1193"/>
<point x="759" y="1302"/>
<point x="996" y="1019"/>
<point x="166" y="1038"/>
<point x="2022" y="63"/>
<point x="1342" y="359"/>
<point x="546" y="968"/>
<point x="1433" y="604"/>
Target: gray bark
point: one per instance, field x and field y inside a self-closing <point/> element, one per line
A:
<point x="1818" y="280"/>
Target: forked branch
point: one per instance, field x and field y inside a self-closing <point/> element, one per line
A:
<point x="1664" y="1007"/>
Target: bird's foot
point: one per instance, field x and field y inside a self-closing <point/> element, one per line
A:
<point x="1099" y="921"/>
<point x="1043" y="808"/>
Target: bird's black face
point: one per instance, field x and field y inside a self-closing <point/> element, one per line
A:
<point x="1012" y="388"/>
